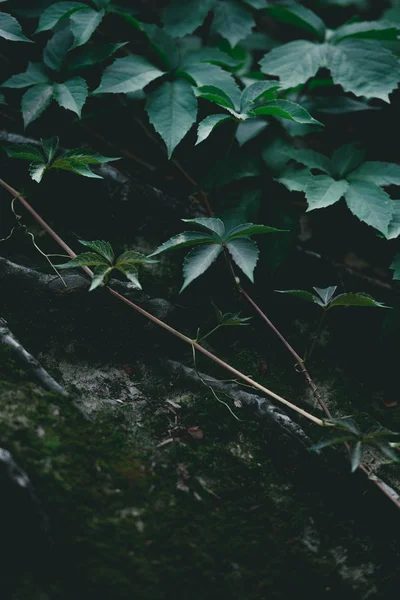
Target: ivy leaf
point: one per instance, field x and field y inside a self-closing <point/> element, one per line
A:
<point x="34" y="74"/>
<point x="88" y="57"/>
<point x="24" y="151"/>
<point x="11" y="30"/>
<point x="326" y="293"/>
<point x="172" y="110"/>
<point x="54" y="13"/>
<point x="182" y="17"/>
<point x="356" y="300"/>
<point x="248" y="229"/>
<point x="163" y="44"/>
<point x="370" y="204"/>
<point x="101" y="275"/>
<point x="71" y="94"/>
<point x="264" y="90"/>
<point x="128" y="262"/>
<point x="312" y="159"/>
<point x="286" y="110"/>
<point x="57" y="48"/>
<point x="50" y="146"/>
<point x="78" y="161"/>
<point x="346" y="158"/>
<point x="86" y="259"/>
<point x="248" y="130"/>
<point x="37" y="170"/>
<point x="245" y="254"/>
<point x="216" y="95"/>
<point x="102" y="248"/>
<point x="35" y="101"/>
<point x="131" y="272"/>
<point x="207" y="125"/>
<point x="301" y="294"/>
<point x="356" y="454"/>
<point x="128" y="74"/>
<point x="84" y="23"/>
<point x="300" y="17"/>
<point x="345" y="424"/>
<point x="376" y="30"/>
<point x="379" y="173"/>
<point x="198" y="260"/>
<point x="203" y="74"/>
<point x="232" y="21"/>
<point x="182" y="240"/>
<point x="295" y="180"/>
<point x="294" y="63"/>
<point x="322" y="191"/>
<point x="388" y="451"/>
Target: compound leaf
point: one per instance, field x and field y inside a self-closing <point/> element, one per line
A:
<point x="198" y="261"/>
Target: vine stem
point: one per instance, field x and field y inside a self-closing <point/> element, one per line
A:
<point x="159" y="322"/>
<point x="386" y="490"/>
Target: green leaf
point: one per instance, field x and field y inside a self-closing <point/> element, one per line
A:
<point x="88" y="57"/>
<point x="209" y="224"/>
<point x="71" y="94"/>
<point x="57" y="48"/>
<point x="294" y="63"/>
<point x="346" y="158"/>
<point x="388" y="451"/>
<point x="216" y="95"/>
<point x="364" y="67"/>
<point x="50" y="146"/>
<point x="295" y="180"/>
<point x="330" y="442"/>
<point x="207" y="125"/>
<point x="232" y="21"/>
<point x="163" y="44"/>
<point x="248" y="130"/>
<point x="172" y="110"/>
<point x="359" y="299"/>
<point x="300" y="17"/>
<point x="356" y="454"/>
<point x="394" y="225"/>
<point x="100" y="276"/>
<point x="182" y="240"/>
<point x="248" y="229"/>
<point x="37" y="170"/>
<point x="133" y="257"/>
<point x="245" y="254"/>
<point x="10" y="29"/>
<point x="182" y="17"/>
<point x="101" y="247"/>
<point x="198" y="261"/>
<point x="34" y="74"/>
<point x="340" y="105"/>
<point x="261" y="90"/>
<point x="323" y="191"/>
<point x="54" y="13"/>
<point x="286" y="110"/>
<point x="373" y="30"/>
<point x="131" y="272"/>
<point x="204" y="74"/>
<point x="380" y="173"/>
<point x="345" y="424"/>
<point x="312" y="159"/>
<point x="370" y="204"/>
<point x="86" y="259"/>
<point x="84" y="23"/>
<point x="395" y="266"/>
<point x="326" y="293"/>
<point x="78" y="159"/>
<point x="35" y="101"/>
<point x="301" y="294"/>
<point x="128" y="74"/>
<point x="24" y="151"/>
<point x="207" y="54"/>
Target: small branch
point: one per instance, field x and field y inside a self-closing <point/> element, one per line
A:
<point x="8" y="339"/>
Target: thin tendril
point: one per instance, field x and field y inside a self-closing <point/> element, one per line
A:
<point x="45" y="255"/>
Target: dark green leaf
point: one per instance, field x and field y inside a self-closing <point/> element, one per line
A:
<point x="50" y="146"/>
<point x="54" y="13"/>
<point x="77" y="161"/>
<point x="24" y="151"/>
<point x="394" y="225"/>
<point x="232" y="21"/>
<point x="131" y="272"/>
<point x="163" y="44"/>
<point x="312" y="159"/>
<point x="322" y="191"/>
<point x="358" y="299"/>
<point x="35" y="101"/>
<point x="213" y="224"/>
<point x="204" y="74"/>
<point x="330" y="442"/>
<point x="57" y="48"/>
<point x="216" y="95"/>
<point x="133" y="257"/>
<point x="88" y="57"/>
<point x="346" y="158"/>
<point x="388" y="451"/>
<point x="373" y="30"/>
<point x="286" y="110"/>
<point x="86" y="259"/>
<point x="245" y="254"/>
<point x="299" y="16"/>
<point x="295" y="180"/>
<point x="36" y="171"/>
<point x="10" y="29"/>
<point x="84" y="23"/>
<point x="101" y="247"/>
<point x="71" y="94"/>
<point x="356" y="454"/>
<point x="370" y="204"/>
<point x="207" y="125"/>
<point x="100" y="276"/>
<point x="182" y="17"/>
<point x="198" y="261"/>
<point x="395" y="266"/>
<point x="34" y="74"/>
<point x="128" y="74"/>
<point x="255" y="92"/>
<point x="380" y="173"/>
<point x="301" y="294"/>
<point x="294" y="63"/>
<point x="248" y="130"/>
<point x="248" y="229"/>
<point x="346" y="424"/>
<point x="182" y="240"/>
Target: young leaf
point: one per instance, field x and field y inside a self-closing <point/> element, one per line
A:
<point x="356" y="300"/>
<point x="379" y="173"/>
<point x="35" y="101"/>
<point x="84" y="23"/>
<point x="100" y="276"/>
<point x="37" y="170"/>
<point x="10" y="29"/>
<point x="101" y="247"/>
<point x="128" y="74"/>
<point x="57" y="48"/>
<point x="203" y="74"/>
<point x="182" y="17"/>
<point x="172" y="110"/>
<point x="370" y="204"/>
<point x="50" y="146"/>
<point x="301" y="294"/>
<point x="300" y="17"/>
<point x="71" y="94"/>
<point x="375" y="30"/>
<point x="326" y="293"/>
<point x="207" y="125"/>
<point x="312" y="159"/>
<point x="77" y="161"/>
<point x="216" y="95"/>
<point x="322" y="191"/>
<point x="133" y="257"/>
<point x="183" y="240"/>
<point x="356" y="454"/>
<point x="88" y="57"/>
<point x="388" y="451"/>
<point x="245" y="254"/>
<point x="232" y="21"/>
<point x="346" y="425"/>
<point x="198" y="260"/>
<point x="34" y="74"/>
<point x="24" y="151"/>
<point x="86" y="259"/>
<point x="248" y="229"/>
<point x="286" y="110"/>
<point x="261" y="90"/>
<point x="55" y="12"/>
<point x="131" y="272"/>
<point x="346" y="158"/>
<point x="209" y="224"/>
